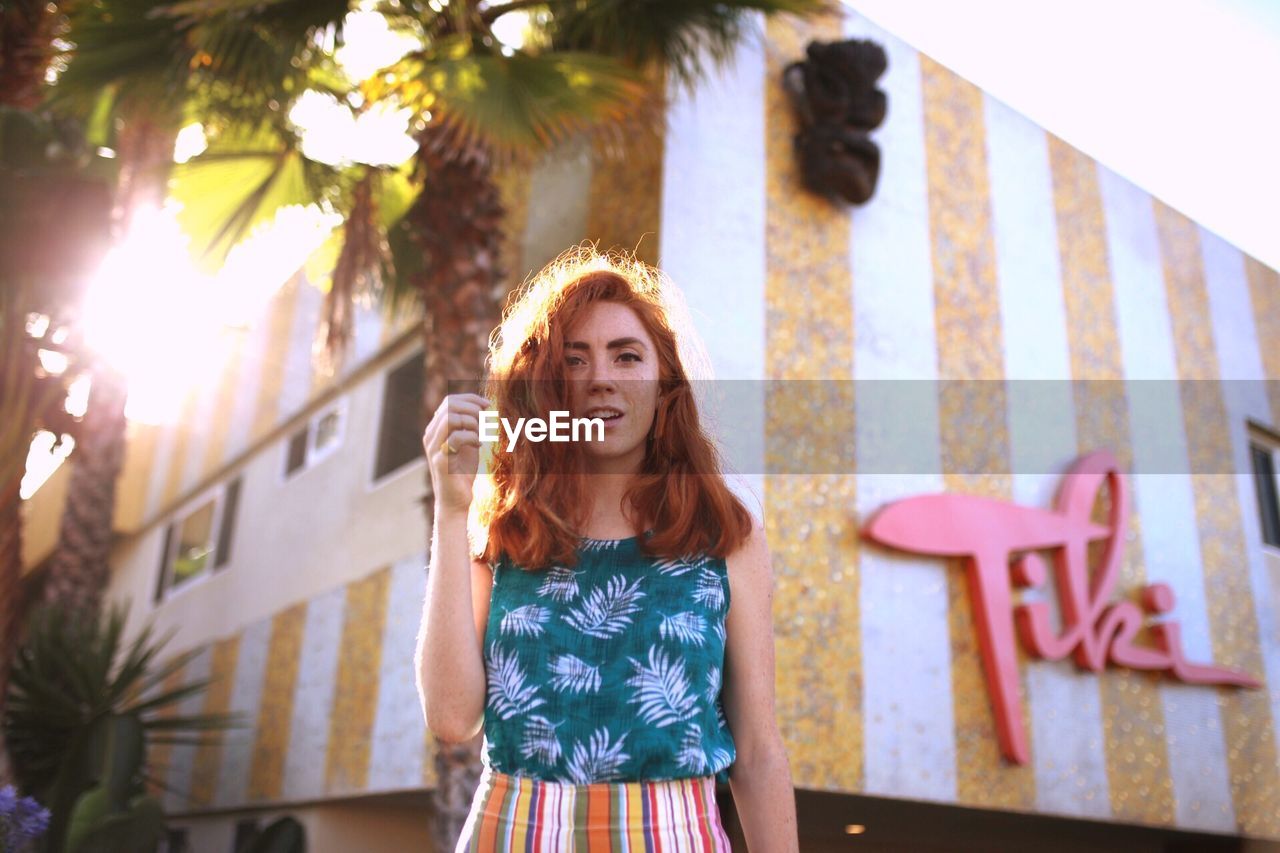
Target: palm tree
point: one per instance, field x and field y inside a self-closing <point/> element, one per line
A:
<point x="54" y="219"/>
<point x="80" y="201"/>
<point x="127" y="78"/>
<point x="427" y="234"/>
<point x="25" y="34"/>
<point x="131" y="75"/>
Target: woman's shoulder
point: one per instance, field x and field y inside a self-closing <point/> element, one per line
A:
<point x="750" y="563"/>
<point x="753" y="546"/>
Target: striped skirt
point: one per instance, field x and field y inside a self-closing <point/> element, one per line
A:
<point x="525" y="815"/>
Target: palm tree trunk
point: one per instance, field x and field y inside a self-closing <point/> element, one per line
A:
<point x="26" y="40"/>
<point x="10" y="592"/>
<point x="457" y="222"/>
<point x="79" y="570"/>
<point x="145" y="150"/>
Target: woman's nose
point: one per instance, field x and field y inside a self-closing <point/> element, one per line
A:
<point x="601" y="374"/>
<point x="601" y="380"/>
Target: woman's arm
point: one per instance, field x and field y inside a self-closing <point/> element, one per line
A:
<point x="760" y="777"/>
<point x="448" y="660"/>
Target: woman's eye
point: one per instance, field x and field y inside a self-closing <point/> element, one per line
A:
<point x="573" y="361"/>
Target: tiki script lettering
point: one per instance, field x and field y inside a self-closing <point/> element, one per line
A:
<point x="1000" y="543"/>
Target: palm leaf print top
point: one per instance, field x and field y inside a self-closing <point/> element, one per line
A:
<point x="609" y="671"/>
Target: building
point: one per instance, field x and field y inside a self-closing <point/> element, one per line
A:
<point x="992" y="251"/>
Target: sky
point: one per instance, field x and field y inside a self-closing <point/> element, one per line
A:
<point x="1178" y="96"/>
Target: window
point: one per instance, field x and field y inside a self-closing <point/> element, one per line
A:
<point x="1263" y="450"/>
<point x="223" y="552"/>
<point x="246" y="832"/>
<point x="174" y="841"/>
<point x="283" y="832"/>
<point x="191" y="549"/>
<point x="195" y="544"/>
<point x="297" y="457"/>
<point x="400" y="427"/>
<point x="316" y="439"/>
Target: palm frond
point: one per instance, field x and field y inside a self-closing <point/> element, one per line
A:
<point x="415" y="17"/>
<point x="240" y="182"/>
<point x="357" y="261"/>
<point x="292" y="19"/>
<point x="171" y="697"/>
<point x="540" y="740"/>
<point x="251" y="58"/>
<point x="155" y="677"/>
<point x="560" y="584"/>
<point x="400" y="293"/>
<point x="677" y="34"/>
<point x="121" y="42"/>
<point x="72" y="676"/>
<point x="598" y="759"/>
<point x="198" y="722"/>
<point x="129" y="675"/>
<point x="179" y="740"/>
<point x="247" y="59"/>
<point x="160" y="779"/>
<point x="528" y="619"/>
<point x="508" y="104"/>
<point x="510" y="692"/>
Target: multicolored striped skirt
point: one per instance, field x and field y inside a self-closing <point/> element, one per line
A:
<point x="518" y="814"/>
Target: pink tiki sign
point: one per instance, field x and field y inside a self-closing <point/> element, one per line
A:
<point x="999" y="542"/>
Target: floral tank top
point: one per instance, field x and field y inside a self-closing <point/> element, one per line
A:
<point x="609" y="671"/>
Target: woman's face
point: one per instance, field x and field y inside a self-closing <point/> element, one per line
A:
<point x="611" y="363"/>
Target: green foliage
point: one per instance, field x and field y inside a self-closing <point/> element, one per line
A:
<point x="122" y="45"/>
<point x="250" y="59"/>
<point x="95" y="829"/>
<point x="510" y="103"/>
<point x="240" y="181"/>
<point x="393" y="192"/>
<point x="81" y="711"/>
<point x="112" y="815"/>
<point x="584" y="67"/>
<point x="239" y="66"/>
<point x="674" y="33"/>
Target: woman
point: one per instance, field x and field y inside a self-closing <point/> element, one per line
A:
<point x="613" y="636"/>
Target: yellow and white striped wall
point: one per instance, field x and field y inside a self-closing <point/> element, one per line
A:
<point x="328" y="690"/>
<point x="992" y="250"/>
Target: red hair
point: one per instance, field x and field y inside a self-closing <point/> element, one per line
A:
<point x="534" y="502"/>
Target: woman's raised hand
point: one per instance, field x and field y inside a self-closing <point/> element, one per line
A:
<point x="452" y="445"/>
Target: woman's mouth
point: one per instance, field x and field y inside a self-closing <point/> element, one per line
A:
<point x="611" y="419"/>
